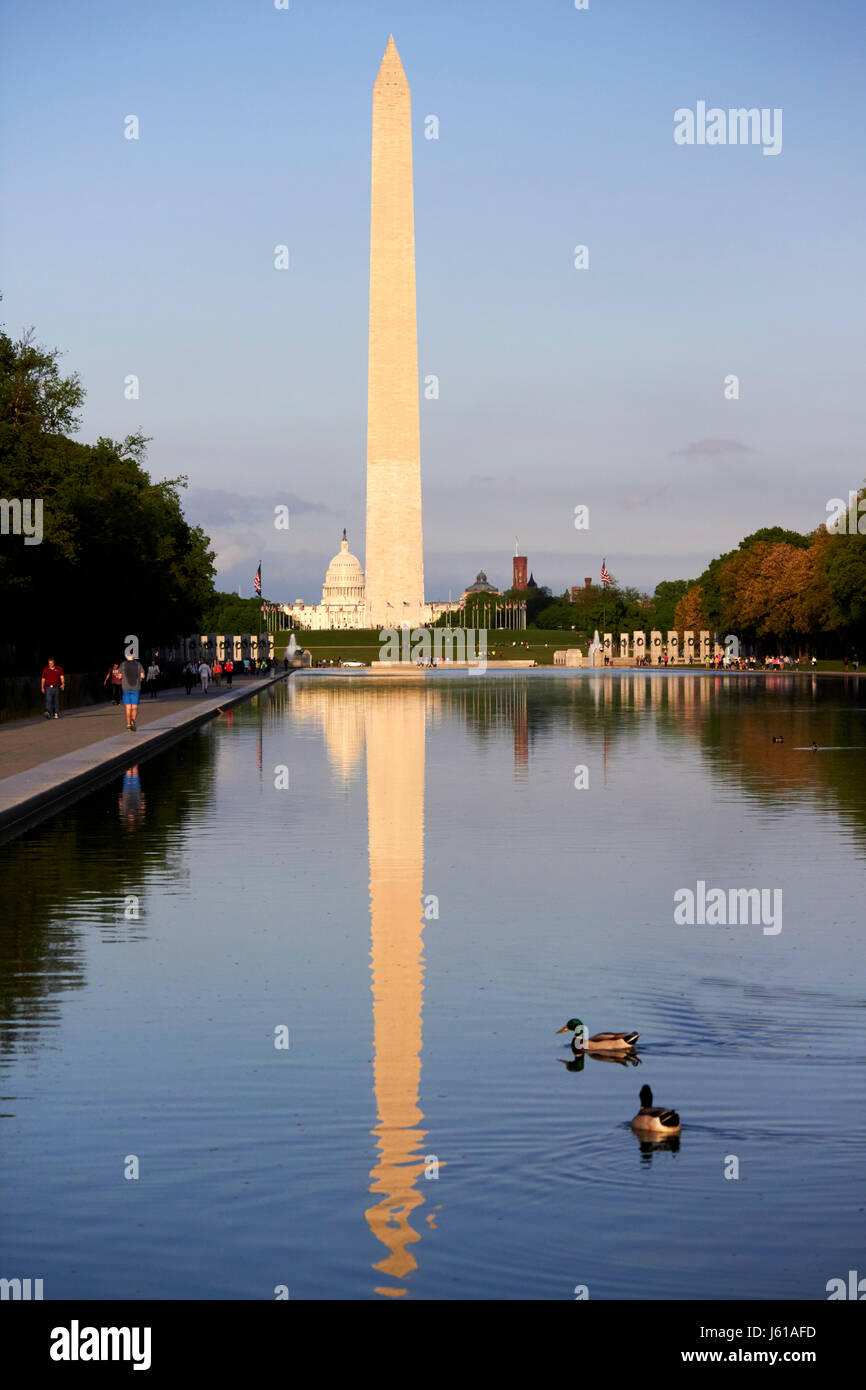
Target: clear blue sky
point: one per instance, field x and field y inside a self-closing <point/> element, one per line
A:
<point x="557" y="386"/>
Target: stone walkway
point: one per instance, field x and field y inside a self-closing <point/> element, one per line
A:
<point x="46" y="765"/>
<point x="25" y="743"/>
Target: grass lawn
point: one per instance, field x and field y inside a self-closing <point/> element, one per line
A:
<point x="364" y="646"/>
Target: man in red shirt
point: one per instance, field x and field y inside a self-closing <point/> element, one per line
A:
<point x="53" y="681"/>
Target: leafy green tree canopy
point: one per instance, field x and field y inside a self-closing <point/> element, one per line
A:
<point x="116" y="555"/>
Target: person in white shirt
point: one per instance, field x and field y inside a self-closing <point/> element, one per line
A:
<point x="204" y="675"/>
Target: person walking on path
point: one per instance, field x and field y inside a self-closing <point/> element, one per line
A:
<point x="204" y="676"/>
<point x="188" y="676"/>
<point x="217" y="672"/>
<point x="153" y="680"/>
<point x="53" y="681"/>
<point x="131" y="671"/>
<point x="229" y="670"/>
<point x="116" y="680"/>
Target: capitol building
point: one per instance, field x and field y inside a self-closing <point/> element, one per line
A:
<point x="343" y="598"/>
<point x="342" y="603"/>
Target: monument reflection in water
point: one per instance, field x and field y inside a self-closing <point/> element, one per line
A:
<point x="394" y="728"/>
<point x="390" y="724"/>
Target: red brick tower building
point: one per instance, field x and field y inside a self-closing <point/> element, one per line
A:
<point x="519" y="569"/>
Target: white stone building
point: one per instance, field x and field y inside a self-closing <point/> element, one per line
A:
<point x="343" y="599"/>
<point x="342" y="603"/>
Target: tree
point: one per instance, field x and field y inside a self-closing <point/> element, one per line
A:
<point x="231" y="613"/>
<point x="689" y="614"/>
<point x="556" y="616"/>
<point x="843" y="559"/>
<point x="774" y="590"/>
<point x="714" y="601"/>
<point x="662" y="615"/>
<point x="775" y="535"/>
<point x="116" y="556"/>
<point x="32" y="391"/>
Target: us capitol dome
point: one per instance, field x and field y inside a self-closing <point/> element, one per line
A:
<point x="342" y="603"/>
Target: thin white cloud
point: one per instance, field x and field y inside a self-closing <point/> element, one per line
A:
<point x="712" y="448"/>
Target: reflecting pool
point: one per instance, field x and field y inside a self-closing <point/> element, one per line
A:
<point x="278" y="1009"/>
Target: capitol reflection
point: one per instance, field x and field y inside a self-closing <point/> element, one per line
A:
<point x="390" y="725"/>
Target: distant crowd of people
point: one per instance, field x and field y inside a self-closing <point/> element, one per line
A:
<point x="724" y="661"/>
<point x="200" y="672"/>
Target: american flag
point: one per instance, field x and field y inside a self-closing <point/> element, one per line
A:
<point x="605" y="576"/>
<point x="257" y="582"/>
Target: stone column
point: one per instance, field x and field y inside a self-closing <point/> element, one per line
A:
<point x="655" y="648"/>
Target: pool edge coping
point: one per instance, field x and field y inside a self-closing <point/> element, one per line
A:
<point x="27" y="798"/>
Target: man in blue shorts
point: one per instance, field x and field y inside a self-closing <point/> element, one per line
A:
<point x="131" y="673"/>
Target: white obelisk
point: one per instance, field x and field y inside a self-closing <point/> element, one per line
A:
<point x="394" y="558"/>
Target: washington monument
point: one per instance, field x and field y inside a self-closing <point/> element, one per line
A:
<point x="394" y="558"/>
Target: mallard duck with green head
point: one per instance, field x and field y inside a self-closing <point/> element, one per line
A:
<point x="654" y="1118"/>
<point x="598" y="1042"/>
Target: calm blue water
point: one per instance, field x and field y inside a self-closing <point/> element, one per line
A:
<point x="423" y="906"/>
